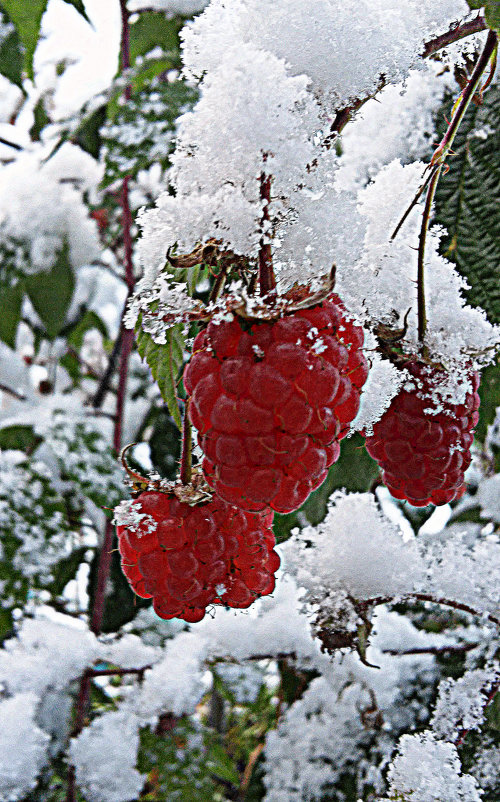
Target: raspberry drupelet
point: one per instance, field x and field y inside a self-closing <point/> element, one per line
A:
<point x="272" y="399"/>
<point x="187" y="557"/>
<point x="423" y="452"/>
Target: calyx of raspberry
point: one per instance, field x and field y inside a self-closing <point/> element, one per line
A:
<point x="423" y="445"/>
<point x="198" y="491"/>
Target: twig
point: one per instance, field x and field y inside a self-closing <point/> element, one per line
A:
<point x="5" y="389"/>
<point x="186" y="450"/>
<point x="454" y="35"/>
<point x="247" y="774"/>
<point x="103" y="388"/>
<point x="267" y="280"/>
<point x="432" y="650"/>
<point x="118" y="672"/>
<point x="10" y="144"/>
<point x="376" y="600"/>
<point x="437" y="162"/>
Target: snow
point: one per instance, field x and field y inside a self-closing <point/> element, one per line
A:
<point x="23" y="746"/>
<point x="104" y="756"/>
<point x="42" y="216"/>
<point x="429" y="771"/>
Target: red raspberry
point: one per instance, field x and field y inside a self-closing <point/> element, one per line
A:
<point x="188" y="557"/>
<point x="424" y="455"/>
<point x="271" y="400"/>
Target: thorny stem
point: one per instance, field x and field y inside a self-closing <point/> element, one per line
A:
<point x="454" y="35"/>
<point x="186" y="449"/>
<point x="343" y="116"/>
<point x="437" y="162"/>
<point x="267" y="280"/>
<point x="376" y="600"/>
<point x="126" y="339"/>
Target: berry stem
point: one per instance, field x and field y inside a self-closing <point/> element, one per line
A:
<point x="267" y="280"/>
<point x="186" y="452"/>
<point x="437" y="164"/>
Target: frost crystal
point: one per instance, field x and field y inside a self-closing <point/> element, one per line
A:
<point x="428" y="770"/>
<point x="40" y="215"/>
<point x="23" y="746"/>
<point x="461" y="703"/>
<point x="104" y="756"/>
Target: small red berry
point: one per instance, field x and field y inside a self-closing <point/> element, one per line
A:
<point x="271" y="400"/>
<point x="424" y="452"/>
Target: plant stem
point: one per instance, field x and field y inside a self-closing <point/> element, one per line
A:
<point x="126" y="338"/>
<point x="437" y="162"/>
<point x="186" y="450"/>
<point x="376" y="600"/>
<point x="454" y="35"/>
<point x="267" y="280"/>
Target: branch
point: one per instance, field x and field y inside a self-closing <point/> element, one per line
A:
<point x="267" y="280"/>
<point x="123" y="347"/>
<point x="343" y="116"/>
<point x="5" y="389"/>
<point x="467" y="647"/>
<point x="376" y="600"/>
<point x="454" y="35"/>
<point x="437" y="162"/>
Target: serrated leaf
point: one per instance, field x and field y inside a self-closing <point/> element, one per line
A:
<point x="220" y="764"/>
<point x="10" y="316"/>
<point x="11" y="57"/>
<point x="51" y="293"/>
<point x="466" y="202"/>
<point x="78" y="4"/>
<point x="27" y="18"/>
<point x="165" y="362"/>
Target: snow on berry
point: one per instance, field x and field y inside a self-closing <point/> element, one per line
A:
<point x="271" y="400"/>
<point x="423" y="446"/>
<point x="187" y="557"/>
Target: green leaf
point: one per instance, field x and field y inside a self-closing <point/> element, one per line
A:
<point x="492" y="14"/>
<point x="220" y="764"/>
<point x="19" y="438"/>
<point x="89" y="320"/>
<point x="65" y="570"/>
<point x="88" y="132"/>
<point x="41" y="119"/>
<point x="467" y="200"/>
<point x="78" y="4"/>
<point x="152" y="30"/>
<point x="51" y="293"/>
<point x="11" y="57"/>
<point x="493" y="713"/>
<point x="27" y="18"/>
<point x="165" y="362"/>
<point x="10" y="316"/>
<point x="489" y="392"/>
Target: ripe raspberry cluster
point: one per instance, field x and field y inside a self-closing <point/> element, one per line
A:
<point x="424" y="453"/>
<point x="272" y="399"/>
<point x="188" y="557"/>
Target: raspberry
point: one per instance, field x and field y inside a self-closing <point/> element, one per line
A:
<point x="423" y="455"/>
<point x="271" y="400"/>
<point x="188" y="557"/>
